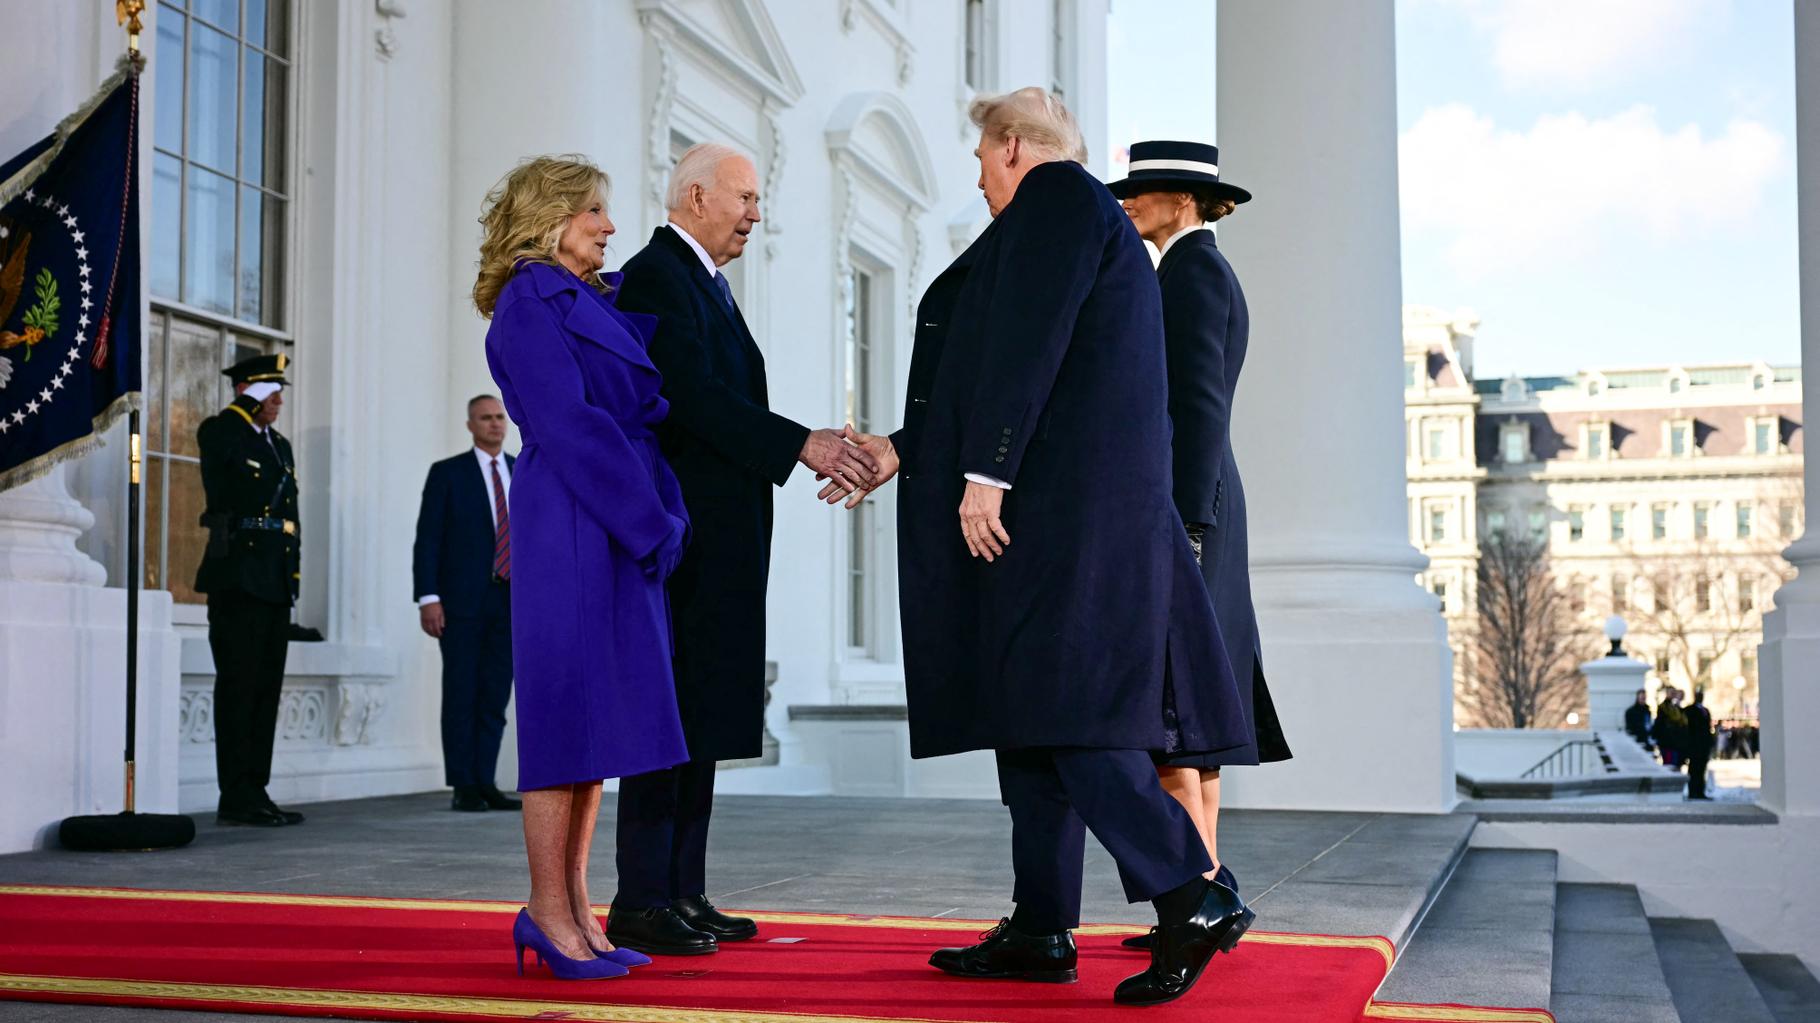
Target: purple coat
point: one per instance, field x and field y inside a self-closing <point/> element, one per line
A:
<point x="597" y="526"/>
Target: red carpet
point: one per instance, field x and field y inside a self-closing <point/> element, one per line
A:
<point x="384" y="959"/>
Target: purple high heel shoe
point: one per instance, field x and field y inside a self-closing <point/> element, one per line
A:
<point x="627" y="957"/>
<point x="526" y="934"/>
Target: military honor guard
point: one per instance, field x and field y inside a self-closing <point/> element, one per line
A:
<point x="250" y="572"/>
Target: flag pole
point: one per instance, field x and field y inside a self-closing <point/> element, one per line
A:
<point x="129" y="829"/>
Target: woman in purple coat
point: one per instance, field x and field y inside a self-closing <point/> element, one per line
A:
<point x="597" y="526"/>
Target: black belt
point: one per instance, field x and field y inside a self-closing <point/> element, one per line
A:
<point x="285" y="526"/>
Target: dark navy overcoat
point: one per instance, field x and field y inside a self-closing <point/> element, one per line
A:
<point x="729" y="451"/>
<point x="1039" y="360"/>
<point x="1207" y="328"/>
<point x="597" y="526"/>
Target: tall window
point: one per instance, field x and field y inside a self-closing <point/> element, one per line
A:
<point x="1516" y="445"/>
<point x="1409" y="374"/>
<point x="1437" y="524"/>
<point x="1437" y="443"/>
<point x="1538" y="524"/>
<point x="1617" y="522"/>
<point x="1677" y="440"/>
<point x="1576" y="523"/>
<point x="1441" y="592"/>
<point x="1658" y="522"/>
<point x="1620" y="593"/>
<point x="1706" y="668"/>
<point x="862" y="525"/>
<point x="1595" y="440"/>
<point x="1747" y="593"/>
<point x="1746" y="520"/>
<point x="1061" y="49"/>
<point x="1703" y="594"/>
<point x="1494" y="522"/>
<point x="975" y="59"/>
<point x="1785" y="518"/>
<point x="1764" y="437"/>
<point x="216" y="245"/>
<point x="1702" y="512"/>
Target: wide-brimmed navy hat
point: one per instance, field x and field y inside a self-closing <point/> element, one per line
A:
<point x="1176" y="167"/>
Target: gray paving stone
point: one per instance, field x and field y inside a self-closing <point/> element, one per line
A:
<point x="1605" y="963"/>
<point x="1790" y="991"/>
<point x="1704" y="975"/>
<point x="1600" y="908"/>
<point x="1488" y="939"/>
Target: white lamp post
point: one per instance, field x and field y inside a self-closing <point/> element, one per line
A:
<point x="1612" y="681"/>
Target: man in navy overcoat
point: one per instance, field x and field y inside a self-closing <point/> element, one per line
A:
<point x="460" y="573"/>
<point x="1051" y="628"/>
<point x="728" y="450"/>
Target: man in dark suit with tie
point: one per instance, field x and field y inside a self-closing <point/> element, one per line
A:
<point x="728" y="450"/>
<point x="461" y="572"/>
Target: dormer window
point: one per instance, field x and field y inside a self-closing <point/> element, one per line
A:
<point x="1597" y="435"/>
<point x="1758" y="383"/>
<point x="1679" y="441"/>
<point x="1674" y="385"/>
<point x="1513" y="441"/>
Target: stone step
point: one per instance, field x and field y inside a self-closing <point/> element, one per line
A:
<point x="1790" y="991"/>
<point x="1605" y="967"/>
<point x="1498" y="908"/>
<point x="1704" y="975"/>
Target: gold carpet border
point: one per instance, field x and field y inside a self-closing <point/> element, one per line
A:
<point x="324" y="998"/>
<point x="1382" y="946"/>
<point x="1454" y="1014"/>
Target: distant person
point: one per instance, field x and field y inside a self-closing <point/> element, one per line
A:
<point x="1697" y="744"/>
<point x="1637" y="720"/>
<point x="461" y="568"/>
<point x="1667" y="729"/>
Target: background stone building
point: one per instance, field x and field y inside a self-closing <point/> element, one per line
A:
<point x="1664" y="494"/>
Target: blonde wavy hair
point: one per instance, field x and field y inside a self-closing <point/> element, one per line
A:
<point x="525" y="215"/>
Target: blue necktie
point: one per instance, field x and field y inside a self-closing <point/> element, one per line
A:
<point x="726" y="290"/>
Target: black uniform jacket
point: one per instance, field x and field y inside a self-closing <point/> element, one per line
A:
<point x="250" y="484"/>
<point x="728" y="450"/>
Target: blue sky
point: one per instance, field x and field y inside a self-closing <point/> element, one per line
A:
<point x="1603" y="182"/>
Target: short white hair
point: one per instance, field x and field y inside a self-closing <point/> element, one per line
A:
<point x="700" y="165"/>
<point x="1033" y="115"/>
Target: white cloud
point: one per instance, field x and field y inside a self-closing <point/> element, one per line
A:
<point x="1574" y="44"/>
<point x="1570" y="187"/>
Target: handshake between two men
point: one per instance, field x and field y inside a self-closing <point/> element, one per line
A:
<point x="853" y="464"/>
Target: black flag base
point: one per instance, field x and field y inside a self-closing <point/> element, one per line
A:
<point x="126" y="832"/>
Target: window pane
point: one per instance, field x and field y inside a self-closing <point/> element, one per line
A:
<point x="153" y="419"/>
<point x="268" y="24"/>
<point x="261" y="257"/>
<point x="222" y="13"/>
<point x="195" y="383"/>
<point x="1744" y="521"/>
<point x="262" y="133"/>
<point x="153" y="558"/>
<point x="858" y="541"/>
<point x="1763" y="439"/>
<point x="167" y="63"/>
<point x="187" y="537"/>
<point x="167" y="208"/>
<point x="213" y="84"/>
<point x="208" y="236"/>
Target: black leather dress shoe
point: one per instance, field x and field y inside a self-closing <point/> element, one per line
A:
<point x="658" y="931"/>
<point x="699" y="913"/>
<point x="249" y="817"/>
<point x="1183" y="948"/>
<point x="497" y="800"/>
<point x="468" y="800"/>
<point x="288" y="816"/>
<point x="1010" y="954"/>
<point x="1145" y="941"/>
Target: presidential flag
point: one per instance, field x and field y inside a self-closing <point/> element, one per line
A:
<point x="69" y="284"/>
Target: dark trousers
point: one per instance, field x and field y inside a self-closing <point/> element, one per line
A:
<point x="476" y="686"/>
<point x="1696" y="774"/>
<point x="1056" y="795"/>
<point x="663" y="835"/>
<point x="248" y="638"/>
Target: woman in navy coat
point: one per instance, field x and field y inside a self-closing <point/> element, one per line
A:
<point x="1172" y="194"/>
<point x="597" y="526"/>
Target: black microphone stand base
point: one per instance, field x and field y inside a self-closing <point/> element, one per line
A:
<point x="127" y="831"/>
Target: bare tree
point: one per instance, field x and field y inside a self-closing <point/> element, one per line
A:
<point x="1707" y="601"/>
<point x="1523" y="655"/>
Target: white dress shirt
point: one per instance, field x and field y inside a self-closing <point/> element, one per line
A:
<point x="700" y="253"/>
<point x="486" y="475"/>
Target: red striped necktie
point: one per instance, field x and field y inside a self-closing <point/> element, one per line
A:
<point x="502" y="529"/>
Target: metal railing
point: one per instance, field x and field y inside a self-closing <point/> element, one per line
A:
<point x="1575" y="758"/>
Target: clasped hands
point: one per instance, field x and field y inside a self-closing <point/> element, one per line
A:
<point x="858" y="463"/>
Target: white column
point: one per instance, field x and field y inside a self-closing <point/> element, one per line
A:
<point x="1355" y="651"/>
<point x="1790" y="655"/>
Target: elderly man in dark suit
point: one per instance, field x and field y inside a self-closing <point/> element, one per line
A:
<point x="728" y="449"/>
<point x="1055" y="628"/>
<point x="461" y="569"/>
